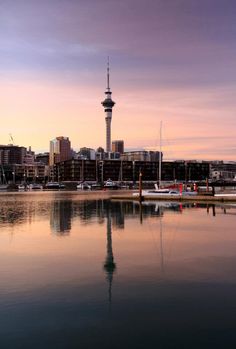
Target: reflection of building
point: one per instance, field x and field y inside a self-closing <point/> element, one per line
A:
<point x="60" y="150"/>
<point x="60" y="218"/>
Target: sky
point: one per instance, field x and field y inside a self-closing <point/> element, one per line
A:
<point x="171" y="61"/>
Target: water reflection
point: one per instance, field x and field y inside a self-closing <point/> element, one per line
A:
<point x="168" y="269"/>
<point x="109" y="264"/>
<point x="61" y="212"/>
<point x="60" y="217"/>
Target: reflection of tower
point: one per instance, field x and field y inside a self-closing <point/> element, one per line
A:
<point x="109" y="264"/>
<point x="108" y="104"/>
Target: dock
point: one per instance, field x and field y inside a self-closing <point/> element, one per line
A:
<point x="193" y="198"/>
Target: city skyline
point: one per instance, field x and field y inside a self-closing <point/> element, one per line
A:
<point x="170" y="60"/>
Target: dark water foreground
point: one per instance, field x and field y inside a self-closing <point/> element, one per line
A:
<point x="77" y="273"/>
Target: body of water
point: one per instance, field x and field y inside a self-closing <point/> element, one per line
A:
<point x="88" y="272"/>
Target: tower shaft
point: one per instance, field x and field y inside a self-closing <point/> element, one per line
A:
<point x="108" y="133"/>
<point x="108" y="104"/>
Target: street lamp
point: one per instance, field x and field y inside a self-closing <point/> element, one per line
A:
<point x="14" y="177"/>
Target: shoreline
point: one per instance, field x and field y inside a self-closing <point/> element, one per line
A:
<point x="122" y="195"/>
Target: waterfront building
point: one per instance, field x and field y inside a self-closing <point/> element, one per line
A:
<point x="36" y="172"/>
<point x="12" y="154"/>
<point x="29" y="157"/>
<point x="60" y="150"/>
<point x="108" y="104"/>
<point x="118" y="146"/>
<point x="42" y="158"/>
<point x="141" y="155"/>
<point x="221" y="170"/>
<point x="108" y="156"/>
<point x="87" y="153"/>
<point x="117" y="170"/>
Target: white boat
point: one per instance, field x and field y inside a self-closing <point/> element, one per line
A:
<point x="159" y="192"/>
<point x="109" y="184"/>
<point x="35" y="186"/>
<point x="83" y="186"/>
<point x="165" y="192"/>
<point x="96" y="186"/>
<point x="21" y="187"/>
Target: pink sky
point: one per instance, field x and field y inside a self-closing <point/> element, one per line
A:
<point x="173" y="62"/>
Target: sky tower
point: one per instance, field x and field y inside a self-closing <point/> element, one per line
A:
<point x="108" y="104"/>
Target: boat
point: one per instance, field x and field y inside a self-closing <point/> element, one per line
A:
<point x="96" y="186"/>
<point x="158" y="192"/>
<point x="165" y="192"/>
<point x="83" y="186"/>
<point x="54" y="185"/>
<point x="109" y="184"/>
<point x="21" y="187"/>
<point x="35" y="186"/>
<point x="3" y="186"/>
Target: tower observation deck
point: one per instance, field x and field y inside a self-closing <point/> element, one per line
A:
<point x="108" y="104"/>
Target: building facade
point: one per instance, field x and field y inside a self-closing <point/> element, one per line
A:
<point x="118" y="146"/>
<point x="117" y="170"/>
<point x="60" y="150"/>
<point x="141" y="155"/>
<point x="12" y="154"/>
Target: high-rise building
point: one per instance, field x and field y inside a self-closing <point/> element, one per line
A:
<point x="108" y="104"/>
<point x="12" y="154"/>
<point x="60" y="150"/>
<point x="87" y="153"/>
<point x="42" y="158"/>
<point x="118" y="146"/>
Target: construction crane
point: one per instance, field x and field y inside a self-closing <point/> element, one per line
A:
<point x="11" y="140"/>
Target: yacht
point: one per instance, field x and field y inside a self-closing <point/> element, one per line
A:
<point x="109" y="184"/>
<point x="21" y="187"/>
<point x="35" y="186"/>
<point x="83" y="186"/>
<point x="54" y="185"/>
<point x="158" y="192"/>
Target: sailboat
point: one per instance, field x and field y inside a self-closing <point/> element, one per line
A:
<point x="158" y="191"/>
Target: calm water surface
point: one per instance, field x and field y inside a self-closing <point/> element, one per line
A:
<point x="80" y="272"/>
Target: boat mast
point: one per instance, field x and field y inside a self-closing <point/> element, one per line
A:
<point x="160" y="155"/>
